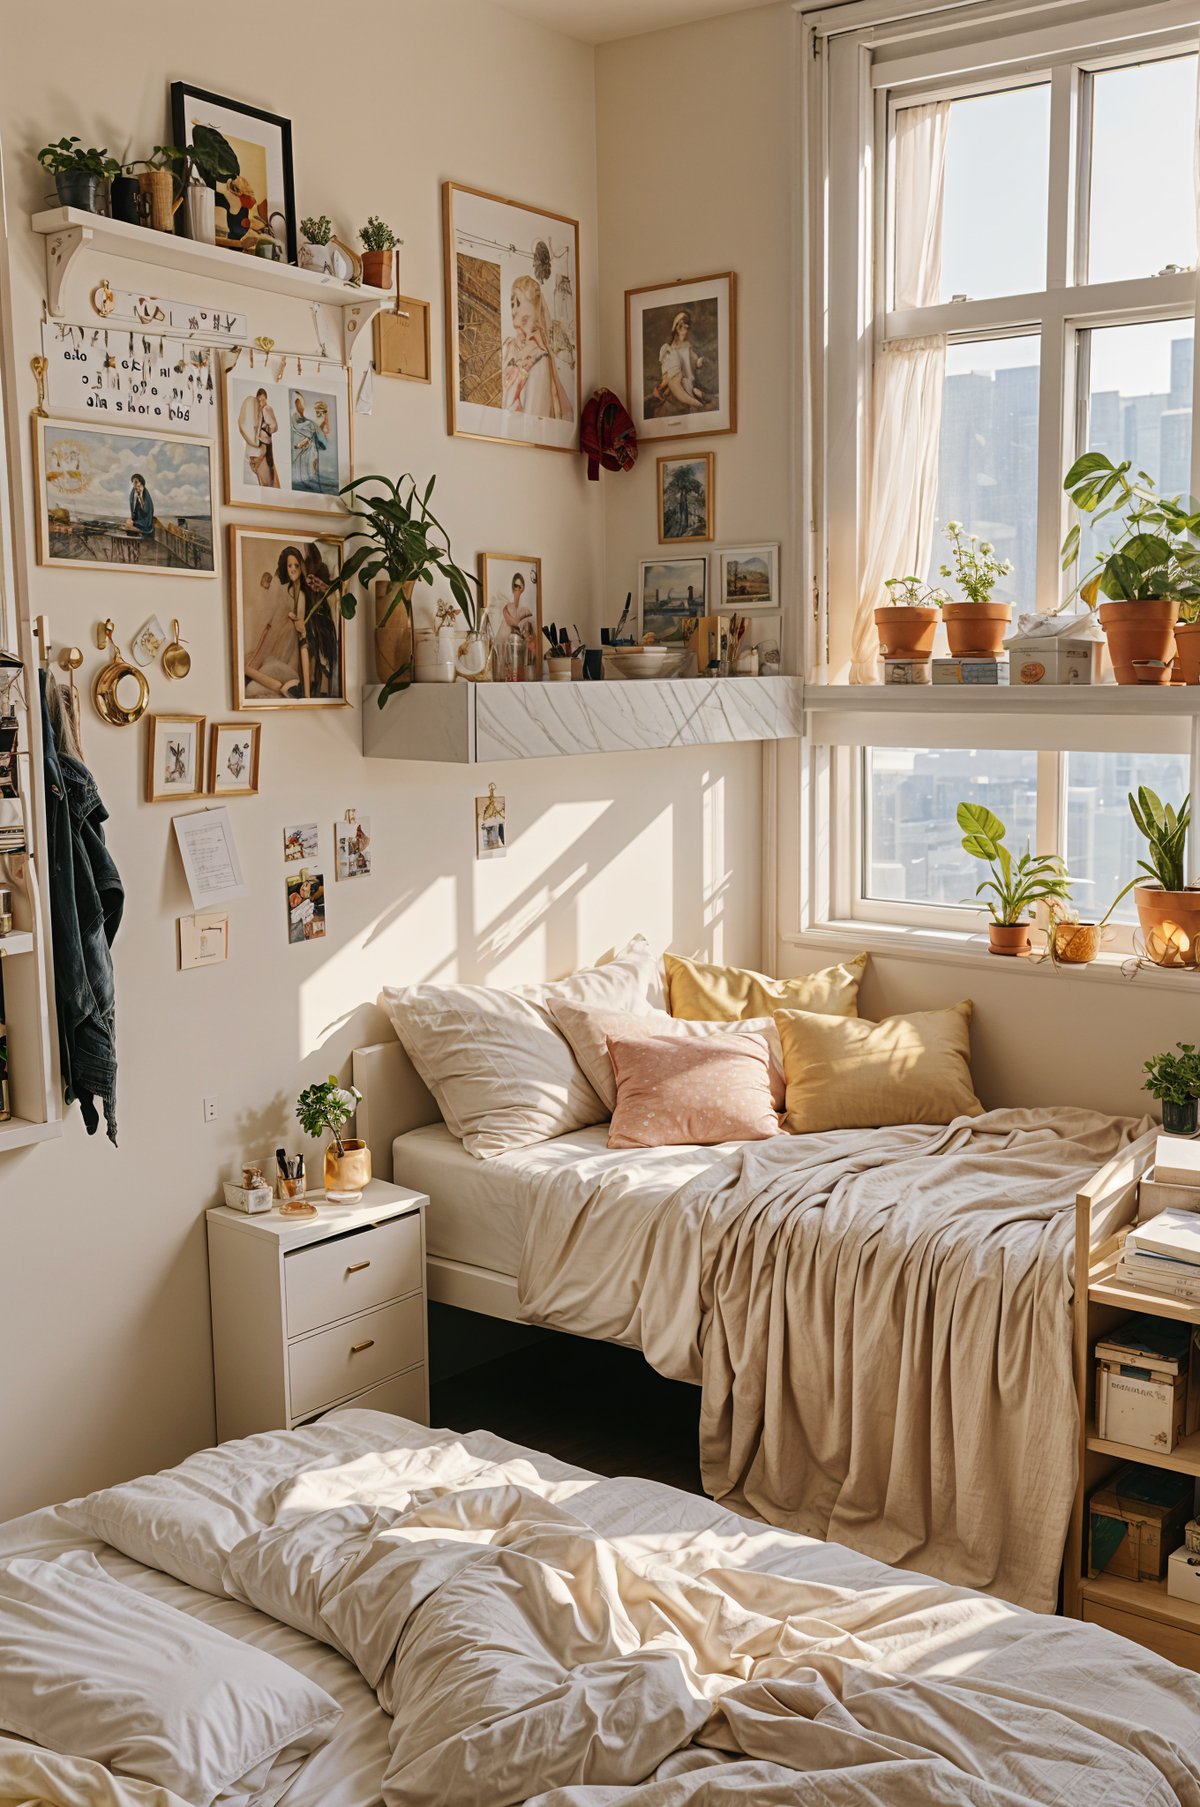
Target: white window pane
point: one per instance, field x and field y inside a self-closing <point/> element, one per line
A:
<point x="987" y="463"/>
<point x="1103" y="845"/>
<point x="1143" y="209"/>
<point x="997" y="177"/>
<point x="913" y="851"/>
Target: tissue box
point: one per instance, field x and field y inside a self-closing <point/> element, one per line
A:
<point x="1055" y="661"/>
<point x="1183" y="1575"/>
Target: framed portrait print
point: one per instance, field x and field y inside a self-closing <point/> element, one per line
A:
<point x="233" y="759"/>
<point x="120" y="499"/>
<point x="174" y="758"/>
<point x="686" y="498"/>
<point x="289" y="640"/>
<point x="749" y="579"/>
<point x="511" y="585"/>
<point x="287" y="434"/>
<point x="512" y="320"/>
<point x="670" y="592"/>
<point x="262" y="144"/>
<point x="681" y="358"/>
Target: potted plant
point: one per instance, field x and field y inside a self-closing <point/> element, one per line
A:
<point x="317" y="232"/>
<point x="1187" y="641"/>
<point x="1174" y="1079"/>
<point x="975" y="628"/>
<point x="402" y="544"/>
<point x="1150" y="569"/>
<point x="162" y="185"/>
<point x="1016" y="886"/>
<point x="1168" y="907"/>
<point x="326" y="1106"/>
<point x="908" y="620"/>
<point x="203" y="165"/>
<point x="81" y="175"/>
<point x="379" y="243"/>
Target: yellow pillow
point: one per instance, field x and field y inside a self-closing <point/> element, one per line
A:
<point x="726" y="994"/>
<point x="848" y="1073"/>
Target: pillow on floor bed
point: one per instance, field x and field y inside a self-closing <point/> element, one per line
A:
<point x="731" y="993"/>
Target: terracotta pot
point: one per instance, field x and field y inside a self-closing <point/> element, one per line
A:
<point x="159" y="186"/>
<point x="1076" y="943"/>
<point x="393" y="635"/>
<point x="1008" y="937"/>
<point x="348" y="1172"/>
<point x="1139" y="630"/>
<point x="976" y="630"/>
<point x="377" y="269"/>
<point x="1187" y="652"/>
<point x="906" y="633"/>
<point x="1170" y="925"/>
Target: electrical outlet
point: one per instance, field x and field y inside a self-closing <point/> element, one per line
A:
<point x="210" y="1110"/>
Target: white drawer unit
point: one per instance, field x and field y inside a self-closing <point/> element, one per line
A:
<point x="313" y="1312"/>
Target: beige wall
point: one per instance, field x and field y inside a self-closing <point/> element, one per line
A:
<point x="104" y="1334"/>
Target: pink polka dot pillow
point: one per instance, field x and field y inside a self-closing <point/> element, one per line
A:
<point x="674" y="1091"/>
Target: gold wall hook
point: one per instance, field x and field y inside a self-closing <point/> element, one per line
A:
<point x="39" y="367"/>
<point x="104" y="632"/>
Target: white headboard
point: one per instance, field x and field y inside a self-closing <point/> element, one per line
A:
<point x="394" y="1100"/>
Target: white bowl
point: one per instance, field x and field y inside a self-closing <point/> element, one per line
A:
<point x="645" y="661"/>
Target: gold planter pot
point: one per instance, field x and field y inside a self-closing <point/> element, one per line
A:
<point x="349" y="1171"/>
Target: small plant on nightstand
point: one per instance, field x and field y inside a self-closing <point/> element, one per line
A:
<point x="1174" y="1079"/>
<point x="327" y="1106"/>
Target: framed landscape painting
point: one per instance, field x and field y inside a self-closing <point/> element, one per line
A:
<point x="681" y="358"/>
<point x="749" y="579"/>
<point x="512" y="320"/>
<point x="120" y="499"/>
<point x="287" y="435"/>
<point x="686" y="498"/>
<point x="289" y="641"/>
<point x="671" y="591"/>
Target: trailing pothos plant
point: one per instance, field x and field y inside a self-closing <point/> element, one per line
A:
<point x="1016" y="885"/>
<point x="1155" y="554"/>
<point x="403" y="542"/>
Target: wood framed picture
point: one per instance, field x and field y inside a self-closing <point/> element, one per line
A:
<point x="512" y="320"/>
<point x="288" y="639"/>
<point x="749" y="579"/>
<point x="288" y="434"/>
<point x="402" y="341"/>
<point x="263" y="192"/>
<point x="671" y="591"/>
<point x="681" y="357"/>
<point x="686" y="498"/>
<point x="174" y="758"/>
<point x="511" y="585"/>
<point x="233" y="749"/>
<point x="120" y="499"/>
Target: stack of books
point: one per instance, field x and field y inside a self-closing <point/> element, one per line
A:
<point x="1163" y="1256"/>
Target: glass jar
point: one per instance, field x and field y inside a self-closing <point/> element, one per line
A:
<point x="514" y="657"/>
<point x="473" y="659"/>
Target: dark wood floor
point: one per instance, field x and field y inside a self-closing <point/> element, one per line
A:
<point x="589" y="1403"/>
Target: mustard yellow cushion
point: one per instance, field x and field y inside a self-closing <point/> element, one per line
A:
<point x="726" y="994"/>
<point x="848" y="1073"/>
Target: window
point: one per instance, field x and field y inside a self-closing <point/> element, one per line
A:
<point x="1103" y="845"/>
<point x="987" y="459"/>
<point x="913" y="847"/>
<point x="1143" y="133"/>
<point x="994" y="216"/>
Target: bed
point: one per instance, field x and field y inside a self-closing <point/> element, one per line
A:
<point x="498" y="1626"/>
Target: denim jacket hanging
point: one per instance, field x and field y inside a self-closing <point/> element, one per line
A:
<point x="86" y="902"/>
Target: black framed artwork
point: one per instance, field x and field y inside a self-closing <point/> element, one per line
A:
<point x="264" y="189"/>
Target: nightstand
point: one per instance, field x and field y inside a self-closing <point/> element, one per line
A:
<point x="313" y="1312"/>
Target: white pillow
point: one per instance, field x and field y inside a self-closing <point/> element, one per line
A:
<point x="588" y="1030"/>
<point x="501" y="1073"/>
<point x="95" y="1669"/>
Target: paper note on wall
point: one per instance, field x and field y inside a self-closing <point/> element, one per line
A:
<point x="112" y="373"/>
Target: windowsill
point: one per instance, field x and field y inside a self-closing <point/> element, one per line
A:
<point x="1007" y="699"/>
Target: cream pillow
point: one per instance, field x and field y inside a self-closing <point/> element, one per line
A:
<point x="588" y="1032"/>
<point x="502" y="1075"/>
<point x="730" y="993"/>
<point x="848" y="1073"/>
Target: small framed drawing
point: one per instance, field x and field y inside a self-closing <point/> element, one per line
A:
<point x="248" y="204"/>
<point x="681" y="358"/>
<point x="352" y="840"/>
<point x="490" y="818"/>
<point x="511" y="585"/>
<point x="749" y="579"/>
<point x="686" y="498"/>
<point x="233" y="759"/>
<point x="289" y="642"/>
<point x="758" y="651"/>
<point x="306" y="905"/>
<point x="288" y="435"/>
<point x="120" y="499"/>
<point x="512" y="320"/>
<point x="402" y="341"/>
<point x="671" y="591"/>
<point x="174" y="758"/>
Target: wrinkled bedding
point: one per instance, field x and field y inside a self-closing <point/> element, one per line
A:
<point x="880" y="1321"/>
<point x="535" y="1634"/>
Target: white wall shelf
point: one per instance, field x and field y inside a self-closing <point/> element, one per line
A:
<point x="476" y="724"/>
<point x="20" y="941"/>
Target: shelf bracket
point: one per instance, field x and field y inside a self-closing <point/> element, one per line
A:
<point x="61" y="250"/>
<point x="356" y="317"/>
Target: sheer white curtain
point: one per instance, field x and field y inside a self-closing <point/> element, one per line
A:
<point x="909" y="374"/>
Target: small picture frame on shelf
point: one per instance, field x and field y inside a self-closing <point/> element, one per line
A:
<point x="263" y="193"/>
<point x="174" y="758"/>
<point x="511" y="585"/>
<point x="749" y="579"/>
<point x="671" y="592"/>
<point x="233" y="749"/>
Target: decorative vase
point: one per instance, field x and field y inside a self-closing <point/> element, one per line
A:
<point x="125" y="200"/>
<point x="1075" y="943"/>
<point x="314" y="257"/>
<point x="158" y="185"/>
<point x="377" y="268"/>
<point x="1139" y="631"/>
<point x="349" y="1171"/>
<point x="1008" y="938"/>
<point x="1170" y="924"/>
<point x="200" y="203"/>
<point x="393" y="630"/>
<point x="473" y="657"/>
<point x="1187" y="651"/>
<point x="976" y="630"/>
<point x="83" y="189"/>
<point x="906" y="633"/>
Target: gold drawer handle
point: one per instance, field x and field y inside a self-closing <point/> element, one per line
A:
<point x="357" y="1348"/>
<point x="356" y="1267"/>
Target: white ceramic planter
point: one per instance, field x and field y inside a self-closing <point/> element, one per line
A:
<point x="201" y="213"/>
<point x="314" y="257"/>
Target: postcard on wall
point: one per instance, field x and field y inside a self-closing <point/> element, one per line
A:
<point x="210" y="857"/>
<point x="681" y="358"/>
<point x="119" y="499"/>
<point x="300" y="843"/>
<point x="203" y="940"/>
<point x="306" y="906"/>
<point x="512" y="320"/>
<point x="671" y="595"/>
<point x="287" y="434"/>
<point x="353" y="841"/>
<point x="288" y="638"/>
<point x="490" y="822"/>
<point x="109" y="373"/>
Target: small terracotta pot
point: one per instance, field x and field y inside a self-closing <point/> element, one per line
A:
<point x="1008" y="937"/>
<point x="377" y="269"/>
<point x="906" y="633"/>
<point x="393" y="635"/>
<point x="976" y="630"/>
<point x="1187" y="652"/>
<point x="1139" y="631"/>
<point x="1076" y="943"/>
<point x="1170" y="925"/>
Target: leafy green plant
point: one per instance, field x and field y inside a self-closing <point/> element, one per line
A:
<point x="326" y="1106"/>
<point x="913" y="593"/>
<point x="317" y="231"/>
<point x="1174" y="1078"/>
<point x="973" y="565"/>
<point x="1016" y="885"/>
<point x="209" y="158"/>
<point x="1165" y="831"/>
<point x="376" y="235"/>
<point x="1156" y="552"/>
<point x="404" y="542"/>
<point x="69" y="157"/>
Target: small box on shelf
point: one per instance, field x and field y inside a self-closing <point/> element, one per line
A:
<point x="907" y="671"/>
<point x="1147" y="1391"/>
<point x="1183" y="1575"/>
<point x="1155" y="1195"/>
<point x="970" y="671"/>
<point x="1135" y="1520"/>
<point x="1177" y="1161"/>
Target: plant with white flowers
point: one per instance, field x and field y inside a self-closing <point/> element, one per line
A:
<point x="913" y="593"/>
<point x="327" y="1106"/>
<point x="973" y="566"/>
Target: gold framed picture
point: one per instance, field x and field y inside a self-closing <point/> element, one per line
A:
<point x="123" y="499"/>
<point x="511" y="591"/>
<point x="681" y="357"/>
<point x="233" y="749"/>
<point x="402" y="341"/>
<point x="686" y="498"/>
<point x="174" y="758"/>
<point x="289" y="429"/>
<point x="288" y="640"/>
